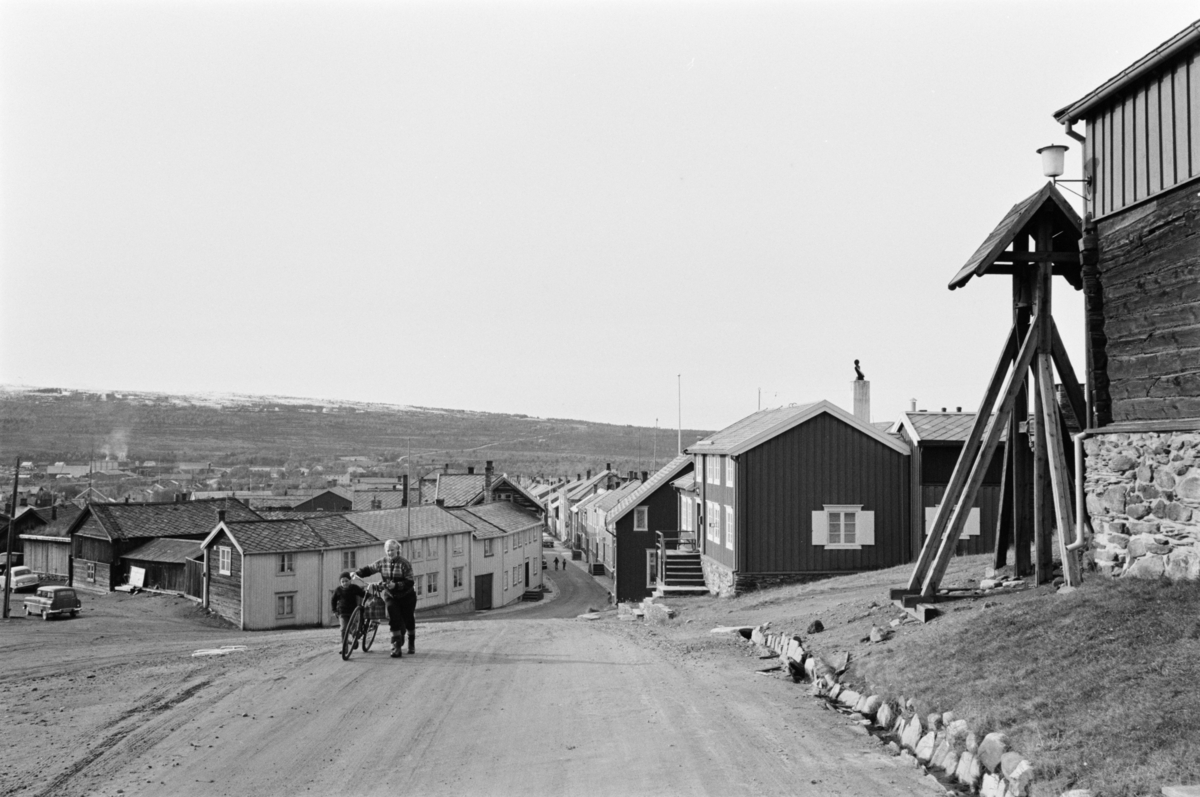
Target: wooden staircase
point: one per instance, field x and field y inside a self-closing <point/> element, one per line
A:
<point x="682" y="574"/>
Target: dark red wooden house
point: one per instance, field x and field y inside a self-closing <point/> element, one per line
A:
<point x="791" y="493"/>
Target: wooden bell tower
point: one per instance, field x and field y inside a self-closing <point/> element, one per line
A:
<point x="1039" y="238"/>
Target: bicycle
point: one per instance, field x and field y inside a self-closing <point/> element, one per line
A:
<point x="361" y="626"/>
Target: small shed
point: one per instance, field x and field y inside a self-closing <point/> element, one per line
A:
<point x="162" y="564"/>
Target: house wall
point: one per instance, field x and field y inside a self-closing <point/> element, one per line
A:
<point x="264" y="584"/>
<point x="48" y="558"/>
<point x="936" y="466"/>
<point x="1146" y="351"/>
<point x="332" y="565"/>
<point x="722" y="547"/>
<point x="1146" y="141"/>
<point x="494" y="564"/>
<point x="822" y="461"/>
<point x="631" y="546"/>
<point x="159" y="575"/>
<point x="90" y="546"/>
<point x="224" y="592"/>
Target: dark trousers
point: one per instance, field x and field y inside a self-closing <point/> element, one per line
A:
<point x="400" y="611"/>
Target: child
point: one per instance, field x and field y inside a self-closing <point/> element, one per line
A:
<point x="346" y="598"/>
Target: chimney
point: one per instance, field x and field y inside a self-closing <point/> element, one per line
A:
<point x="127" y="499"/>
<point x="440" y="501"/>
<point x="488" y="472"/>
<point x="862" y="400"/>
<point x="589" y="473"/>
<point x="376" y="503"/>
<point x="645" y="475"/>
<point x="404" y="481"/>
<point x="54" y="511"/>
<point x="446" y="468"/>
<point x="220" y="515"/>
<point x="958" y="409"/>
<point x="608" y="466"/>
<point x="470" y="470"/>
<point x="912" y="405"/>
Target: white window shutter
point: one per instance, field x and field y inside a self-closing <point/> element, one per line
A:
<point x="865" y="528"/>
<point x="971" y="529"/>
<point x="820" y="528"/>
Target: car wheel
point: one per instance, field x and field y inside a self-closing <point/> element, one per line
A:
<point x="45" y="615"/>
<point x="73" y="612"/>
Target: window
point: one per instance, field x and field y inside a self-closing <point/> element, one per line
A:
<point x="685" y="513"/>
<point x="516" y="575"/>
<point x="843" y="526"/>
<point x="641" y="518"/>
<point x="91" y="571"/>
<point x="970" y="528"/>
<point x="729" y="527"/>
<point x="488" y="548"/>
<point x="713" y="470"/>
<point x="418" y="550"/>
<point x="506" y="544"/>
<point x="506" y="579"/>
<point x="729" y="472"/>
<point x="432" y="547"/>
<point x="285" y="605"/>
<point x="651" y="567"/>
<point x="458" y="543"/>
<point x="224" y="561"/>
<point x="458" y="578"/>
<point x="420" y="585"/>
<point x="433" y="583"/>
<point x="286" y="565"/>
<point x="712" y="520"/>
<point x="349" y="560"/>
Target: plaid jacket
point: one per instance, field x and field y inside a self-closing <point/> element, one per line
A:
<point x="392" y="570"/>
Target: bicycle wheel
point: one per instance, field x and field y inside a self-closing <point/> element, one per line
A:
<point x="350" y="634"/>
<point x="368" y="638"/>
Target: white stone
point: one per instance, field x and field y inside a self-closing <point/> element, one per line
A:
<point x="925" y="747"/>
<point x="967" y="772"/>
<point x="912" y="733"/>
<point x="990" y="787"/>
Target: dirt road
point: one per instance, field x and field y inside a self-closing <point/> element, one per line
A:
<point x="507" y="706"/>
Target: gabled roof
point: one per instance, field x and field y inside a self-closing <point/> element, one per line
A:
<point x="576" y="489"/>
<point x="480" y="528"/>
<point x="458" y="489"/>
<point x="589" y="500"/>
<point x="685" y="483"/>
<point x="936" y="427"/>
<point x="756" y="429"/>
<point x="60" y="526"/>
<point x="181" y="519"/>
<point x="662" y="476"/>
<point x="613" y="497"/>
<point x="165" y="550"/>
<point x="1023" y="220"/>
<point x="505" y="515"/>
<point x="1166" y="53"/>
<point x="406" y="522"/>
<point x="281" y="536"/>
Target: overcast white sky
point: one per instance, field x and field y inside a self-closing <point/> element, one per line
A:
<point x="547" y="208"/>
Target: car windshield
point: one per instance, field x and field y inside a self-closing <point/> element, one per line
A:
<point x="20" y="571"/>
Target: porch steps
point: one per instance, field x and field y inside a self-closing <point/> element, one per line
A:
<point x="532" y="595"/>
<point x="683" y="574"/>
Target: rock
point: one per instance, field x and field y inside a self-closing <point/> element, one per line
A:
<point x="924" y="748"/>
<point x="815" y="627"/>
<point x="879" y="635"/>
<point x="1181" y="791"/>
<point x="933" y="721"/>
<point x="990" y="787"/>
<point x="1078" y="793"/>
<point x="1180" y="468"/>
<point x="849" y="698"/>
<point x="892" y="747"/>
<point x="993" y="746"/>
<point x="758" y="637"/>
<point x="895" y="623"/>
<point x="940" y="752"/>
<point x="1144" y="527"/>
<point x="909" y="758"/>
<point x="1179" y="563"/>
<point x="839" y="662"/>
<point x="1117" y="535"/>
<point x="1018" y="772"/>
<point x="949" y="763"/>
<point x="731" y="629"/>
<point x="989" y="583"/>
<point x="1121" y="463"/>
<point x="1145" y="473"/>
<point x="1149" y="566"/>
<point x="912" y="733"/>
<point x="956" y="734"/>
<point x="1177" y="512"/>
<point x="967" y="772"/>
<point x="885" y="715"/>
<point x="1189" y="487"/>
<point x="1137" y="511"/>
<point x="794" y="651"/>
<point x="1164" y="479"/>
<point x="1065" y="590"/>
<point x="834" y="690"/>
<point x="871" y="705"/>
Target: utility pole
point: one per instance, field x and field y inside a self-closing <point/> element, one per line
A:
<point x="679" y="436"/>
<point x="654" y="458"/>
<point x="12" y="527"/>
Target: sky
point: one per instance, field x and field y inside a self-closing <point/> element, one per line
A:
<point x="629" y="212"/>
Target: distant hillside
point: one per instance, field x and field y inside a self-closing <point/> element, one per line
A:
<point x="49" y="424"/>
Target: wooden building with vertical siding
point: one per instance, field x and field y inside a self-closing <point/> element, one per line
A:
<point x="103" y="533"/>
<point x="936" y="440"/>
<point x="631" y="525"/>
<point x="795" y="492"/>
<point x="263" y="574"/>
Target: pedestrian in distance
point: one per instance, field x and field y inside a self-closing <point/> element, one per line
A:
<point x="556" y="563"/>
<point x="346" y="599"/>
<point x="399" y="595"/>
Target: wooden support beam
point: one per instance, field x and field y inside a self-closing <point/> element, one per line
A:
<point x="1042" y="560"/>
<point x="1004" y="517"/>
<point x="962" y="468"/>
<point x="963" y="500"/>
<point x="1070" y="383"/>
<point x="1021" y="258"/>
<point x="1059" y="480"/>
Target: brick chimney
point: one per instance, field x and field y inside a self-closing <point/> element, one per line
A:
<point x="488" y="473"/>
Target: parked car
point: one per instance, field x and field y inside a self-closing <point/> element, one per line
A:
<point x="22" y="578"/>
<point x="53" y="602"/>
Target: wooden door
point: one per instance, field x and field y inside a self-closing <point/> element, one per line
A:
<point x="526" y="574"/>
<point x="483" y="592"/>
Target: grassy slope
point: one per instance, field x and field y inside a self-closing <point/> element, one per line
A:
<point x="1099" y="689"/>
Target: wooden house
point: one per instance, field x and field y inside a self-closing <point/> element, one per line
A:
<point x="1140" y="257"/>
<point x="47" y="548"/>
<point x="598" y="540"/>
<point x="506" y="551"/>
<point x="795" y="492"/>
<point x="936" y="440"/>
<point x="470" y="489"/>
<point x="162" y="563"/>
<point x="103" y="534"/>
<point x="652" y="505"/>
<point x="437" y="544"/>
<point x="263" y="574"/>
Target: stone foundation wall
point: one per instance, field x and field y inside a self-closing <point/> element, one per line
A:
<point x="1143" y="496"/>
<point x="718" y="578"/>
<point x="748" y="582"/>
